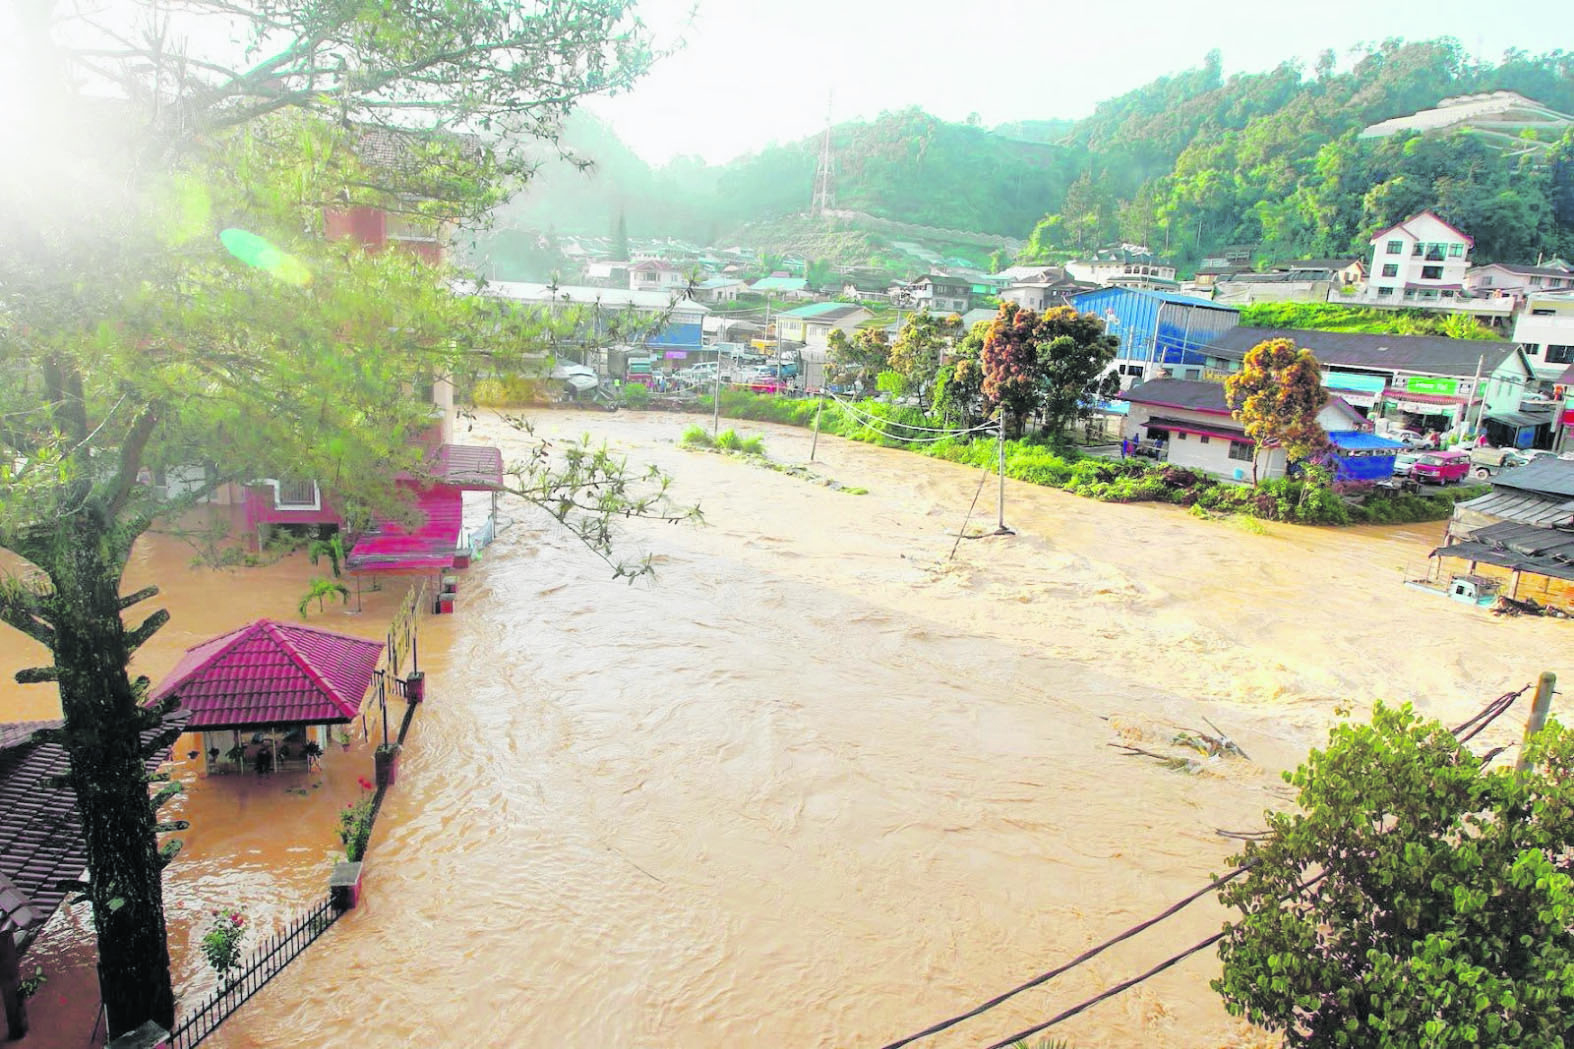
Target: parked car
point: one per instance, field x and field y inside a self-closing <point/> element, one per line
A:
<point x="1403" y="462"/>
<point x="1485" y="462"/>
<point x="1408" y="438"/>
<point x="1441" y="467"/>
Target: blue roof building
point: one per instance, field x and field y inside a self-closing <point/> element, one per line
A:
<point x="1158" y="329"/>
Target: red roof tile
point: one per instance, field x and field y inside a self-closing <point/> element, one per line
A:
<point x="273" y="673"/>
<point x="41" y="846"/>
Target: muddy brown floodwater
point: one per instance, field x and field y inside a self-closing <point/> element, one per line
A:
<point x="818" y="786"/>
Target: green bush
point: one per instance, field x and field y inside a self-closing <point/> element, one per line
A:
<point x="697" y="437"/>
<point x="1054" y="464"/>
<point x="635" y="395"/>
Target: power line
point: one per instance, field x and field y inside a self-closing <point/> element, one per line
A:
<point x="1091" y="953"/>
<point x="1471" y="727"/>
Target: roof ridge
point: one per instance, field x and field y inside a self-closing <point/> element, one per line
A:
<point x="307" y="667"/>
<point x="235" y="637"/>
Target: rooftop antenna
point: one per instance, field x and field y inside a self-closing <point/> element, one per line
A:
<point x="822" y="173"/>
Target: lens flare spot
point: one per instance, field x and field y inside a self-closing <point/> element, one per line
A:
<point x="259" y="254"/>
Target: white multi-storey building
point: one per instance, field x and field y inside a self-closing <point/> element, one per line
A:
<point x="1545" y="331"/>
<point x="1421" y="262"/>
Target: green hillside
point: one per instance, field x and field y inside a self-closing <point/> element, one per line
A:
<point x="1192" y="162"/>
<point x="1188" y="163"/>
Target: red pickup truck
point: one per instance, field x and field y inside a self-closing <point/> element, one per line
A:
<point x="1441" y="467"/>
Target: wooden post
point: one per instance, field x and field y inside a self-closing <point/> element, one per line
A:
<point x="1538" y="717"/>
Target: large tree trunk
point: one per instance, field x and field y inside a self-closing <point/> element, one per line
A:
<point x="102" y="736"/>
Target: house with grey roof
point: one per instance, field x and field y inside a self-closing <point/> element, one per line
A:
<point x="1540" y="493"/>
<point x="1188" y="423"/>
<point x="1421" y="382"/>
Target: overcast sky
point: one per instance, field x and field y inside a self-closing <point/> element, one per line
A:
<point x="756" y="71"/>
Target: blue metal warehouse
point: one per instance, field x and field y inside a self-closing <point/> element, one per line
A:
<point x="1158" y="328"/>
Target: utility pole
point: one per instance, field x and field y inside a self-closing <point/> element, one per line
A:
<point x="814" y="444"/>
<point x="1538" y="717"/>
<point x="1000" y="500"/>
<point x="1475" y="391"/>
<point x="715" y="407"/>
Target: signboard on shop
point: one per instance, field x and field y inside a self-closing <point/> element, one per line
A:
<point x="676" y="355"/>
<point x="1432" y="385"/>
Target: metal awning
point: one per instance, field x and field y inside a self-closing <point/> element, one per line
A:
<point x="1520" y="420"/>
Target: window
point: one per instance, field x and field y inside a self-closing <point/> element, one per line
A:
<point x="1486" y="281"/>
<point x="1396" y="247"/>
<point x="1434" y="253"/>
<point x="1431" y="273"/>
<point x="1456" y="251"/>
<point x="1241" y="452"/>
<point x="296" y="494"/>
<point x="1418" y="250"/>
<point x="1560" y="354"/>
<point x="1384" y="291"/>
<point x="1181" y="435"/>
<point x="1203" y="438"/>
<point x="1531" y="349"/>
<point x="1535" y="282"/>
<point x="1390" y="269"/>
<point x="1543" y="312"/>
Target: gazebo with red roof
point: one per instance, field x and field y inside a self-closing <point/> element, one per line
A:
<point x="283" y="684"/>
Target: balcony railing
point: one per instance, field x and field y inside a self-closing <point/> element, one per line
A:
<point x="1494" y="306"/>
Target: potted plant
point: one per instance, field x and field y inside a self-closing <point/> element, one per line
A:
<point x="237" y="753"/>
<point x="313" y="752"/>
<point x="342" y="738"/>
<point x="387" y="764"/>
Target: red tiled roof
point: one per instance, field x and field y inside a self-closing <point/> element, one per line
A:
<point x="272" y="673"/>
<point x="41" y="846"/>
<point x="467" y="466"/>
<point x="429" y="545"/>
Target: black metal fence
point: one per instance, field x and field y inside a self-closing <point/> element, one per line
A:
<point x="262" y="965"/>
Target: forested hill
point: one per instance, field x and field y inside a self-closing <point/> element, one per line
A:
<point x="1188" y="163"/>
<point x="1192" y="162"/>
<point x="907" y="166"/>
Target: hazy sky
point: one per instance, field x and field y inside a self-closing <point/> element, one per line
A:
<point x="757" y="71"/>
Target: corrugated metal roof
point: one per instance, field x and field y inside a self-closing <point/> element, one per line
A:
<point x="467" y="466"/>
<point x="429" y="542"/>
<point x="1161" y="296"/>
<point x="1526" y="509"/>
<point x="271" y="673"/>
<point x="1195" y="394"/>
<point x="824" y="310"/>
<point x="1522" y="547"/>
<point x="779" y="284"/>
<point x="1425" y="354"/>
<point x="1545" y="474"/>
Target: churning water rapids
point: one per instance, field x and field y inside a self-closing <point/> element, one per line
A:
<point x="816" y="786"/>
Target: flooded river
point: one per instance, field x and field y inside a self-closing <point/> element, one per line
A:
<point x="816" y="786"/>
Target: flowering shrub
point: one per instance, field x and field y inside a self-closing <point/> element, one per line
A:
<point x="221" y="943"/>
<point x="355" y="822"/>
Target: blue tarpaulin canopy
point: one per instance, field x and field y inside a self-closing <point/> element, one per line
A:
<point x="1360" y="456"/>
<point x="1352" y="440"/>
